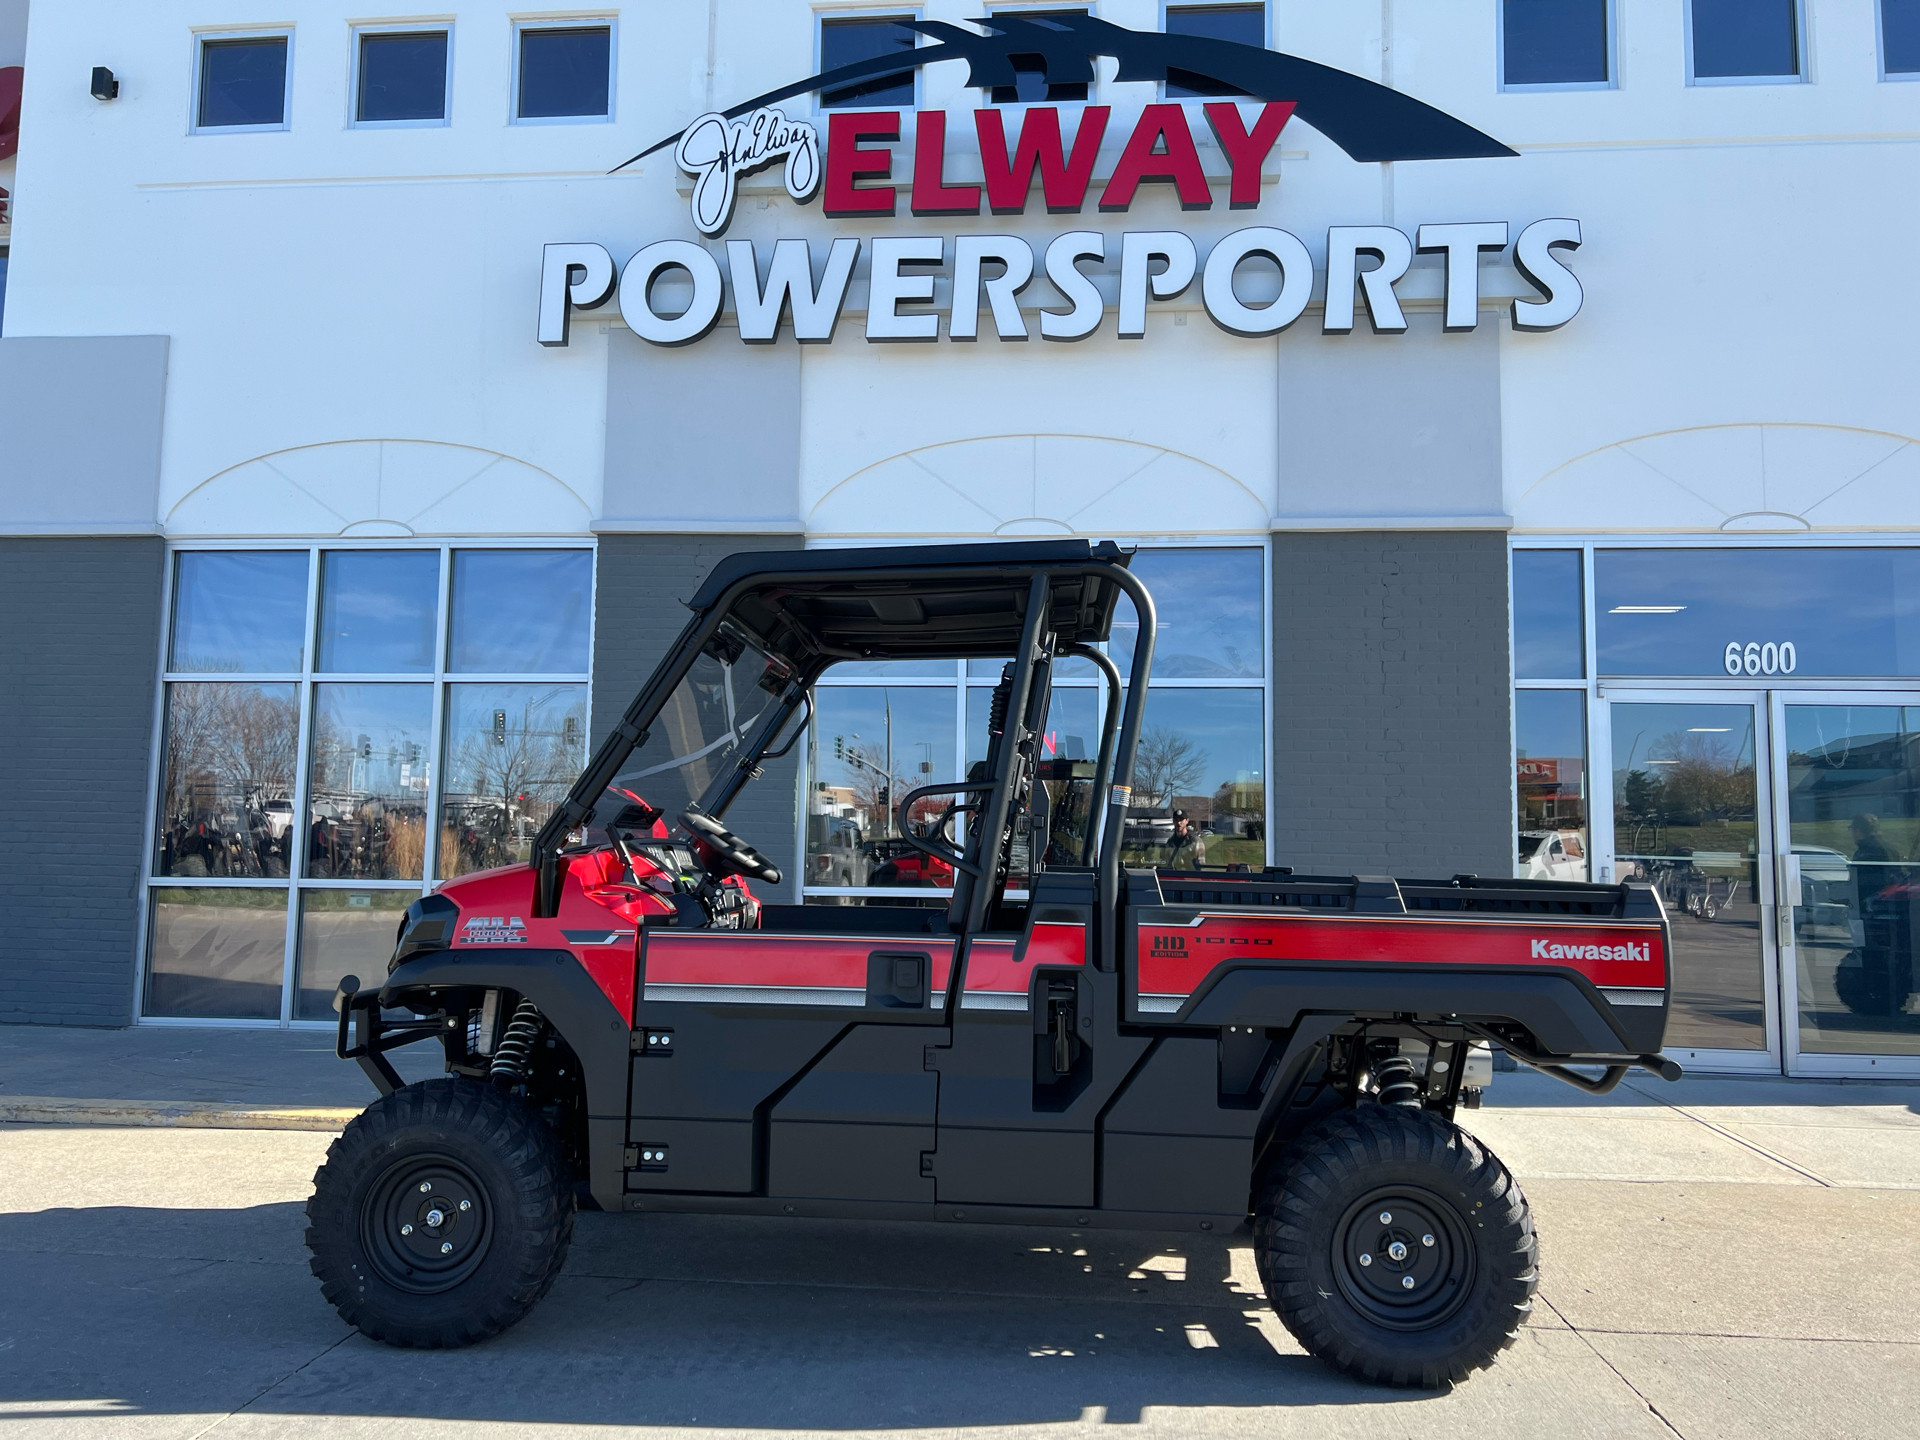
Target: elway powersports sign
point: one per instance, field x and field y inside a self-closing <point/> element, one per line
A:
<point x="851" y="173"/>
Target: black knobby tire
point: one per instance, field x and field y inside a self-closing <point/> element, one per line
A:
<point x="1383" y="1181"/>
<point x="480" y="1184"/>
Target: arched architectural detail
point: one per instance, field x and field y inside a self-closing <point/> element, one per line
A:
<point x="1036" y="485"/>
<point x="381" y="488"/>
<point x="1736" y="479"/>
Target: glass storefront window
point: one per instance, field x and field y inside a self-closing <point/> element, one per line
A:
<point x="377" y="611"/>
<point x="1686" y="819"/>
<point x="1853" y="805"/>
<point x="1202" y="758"/>
<point x="1550" y="743"/>
<point x="343" y="932"/>
<point x="1758" y="613"/>
<point x="1549" y="629"/>
<point x="216" y="952"/>
<point x="242" y="612"/>
<point x="226" y="787"/>
<point x="1210" y="605"/>
<point x="871" y="745"/>
<point x="511" y="752"/>
<point x="367" y="794"/>
<point x="433" y="775"/>
<point x="525" y="611"/>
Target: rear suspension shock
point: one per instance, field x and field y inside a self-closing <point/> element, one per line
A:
<point x="515" y="1049"/>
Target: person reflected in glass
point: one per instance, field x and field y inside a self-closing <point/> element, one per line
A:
<point x="1186" y="847"/>
<point x="1884" y="977"/>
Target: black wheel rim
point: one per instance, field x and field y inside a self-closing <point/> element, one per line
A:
<point x="426" y="1224"/>
<point x="1397" y="1234"/>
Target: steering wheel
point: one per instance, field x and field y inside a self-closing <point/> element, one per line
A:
<point x="730" y="854"/>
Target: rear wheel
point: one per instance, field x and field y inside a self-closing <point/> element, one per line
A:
<point x="1395" y="1247"/>
<point x="441" y="1215"/>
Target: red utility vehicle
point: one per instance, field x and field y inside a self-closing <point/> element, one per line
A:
<point x="631" y="1023"/>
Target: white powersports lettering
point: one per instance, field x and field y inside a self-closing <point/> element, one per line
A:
<point x="1553" y="950"/>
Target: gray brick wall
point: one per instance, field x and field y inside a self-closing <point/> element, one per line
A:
<point x="79" y="651"/>
<point x="1392" y="703"/>
<point x="643" y="583"/>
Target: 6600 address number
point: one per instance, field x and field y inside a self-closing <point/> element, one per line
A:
<point x="1758" y="658"/>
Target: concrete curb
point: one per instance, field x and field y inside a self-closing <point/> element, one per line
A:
<point x="58" y="1110"/>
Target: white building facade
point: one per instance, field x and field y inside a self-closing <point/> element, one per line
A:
<point x="354" y="470"/>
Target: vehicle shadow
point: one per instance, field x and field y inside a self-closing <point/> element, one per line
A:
<point x="661" y="1320"/>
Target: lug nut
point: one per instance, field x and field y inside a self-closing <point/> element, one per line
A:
<point x="1366" y="1259"/>
<point x="406" y="1229"/>
<point x="425" y="1186"/>
<point x="1406" y="1281"/>
<point x="447" y="1249"/>
<point x="468" y="1205"/>
<point x="1426" y="1240"/>
<point x="1386" y="1216"/>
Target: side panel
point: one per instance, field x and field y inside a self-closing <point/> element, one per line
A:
<point x="1011" y="1131"/>
<point x="857" y="1123"/>
<point x="1168" y="1144"/>
<point x="1611" y="977"/>
<point x="749" y="1014"/>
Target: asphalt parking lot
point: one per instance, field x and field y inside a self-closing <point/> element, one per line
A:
<point x="1720" y="1258"/>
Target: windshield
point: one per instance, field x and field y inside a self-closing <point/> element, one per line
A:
<point x="699" y="733"/>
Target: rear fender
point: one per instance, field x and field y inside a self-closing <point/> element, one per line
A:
<point x="1565" y="1014"/>
<point x="579" y="1011"/>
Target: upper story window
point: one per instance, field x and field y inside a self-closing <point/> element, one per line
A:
<point x="1900" y="39"/>
<point x="846" y="40"/>
<point x="1556" y="44"/>
<point x="564" y="72"/>
<point x="1246" y="24"/>
<point x="400" y="77"/>
<point x="242" y="84"/>
<point x="1744" y="42"/>
<point x="1031" y="86"/>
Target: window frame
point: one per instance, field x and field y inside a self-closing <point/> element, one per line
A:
<point x="1612" y="82"/>
<point x="355" y="53"/>
<point x="306" y="681"/>
<point x="1887" y="77"/>
<point x="570" y="20"/>
<point x="199" y="39"/>
<point x="1018" y="7"/>
<point x="824" y="12"/>
<point x="1802" y="55"/>
<point x="1266" y="40"/>
<point x="963" y="684"/>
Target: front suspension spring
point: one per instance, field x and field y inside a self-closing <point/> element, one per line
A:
<point x="515" y="1049"/>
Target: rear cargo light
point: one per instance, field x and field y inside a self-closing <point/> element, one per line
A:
<point x="427" y="925"/>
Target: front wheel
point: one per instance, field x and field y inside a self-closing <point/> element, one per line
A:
<point x="1395" y="1247"/>
<point x="441" y="1215"/>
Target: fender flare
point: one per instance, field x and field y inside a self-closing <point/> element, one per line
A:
<point x="1562" y="1010"/>
<point x="577" y="1008"/>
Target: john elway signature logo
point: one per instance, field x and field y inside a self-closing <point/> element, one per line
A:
<point x="716" y="151"/>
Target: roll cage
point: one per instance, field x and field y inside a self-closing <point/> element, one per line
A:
<point x="806" y="609"/>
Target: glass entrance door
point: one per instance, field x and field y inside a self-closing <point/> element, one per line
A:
<point x="1848" y="777"/>
<point x="1691" y="816"/>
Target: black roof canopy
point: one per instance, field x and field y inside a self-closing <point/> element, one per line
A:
<point x="923" y="601"/>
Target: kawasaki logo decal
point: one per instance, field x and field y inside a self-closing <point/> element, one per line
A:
<point x="1549" y="950"/>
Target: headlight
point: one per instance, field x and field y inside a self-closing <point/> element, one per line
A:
<point x="427" y="925"/>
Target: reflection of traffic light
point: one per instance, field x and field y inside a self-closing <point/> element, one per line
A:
<point x="499" y="727"/>
<point x="886" y="797"/>
<point x="365" y="748"/>
<point x="570" y="731"/>
<point x="412" y="755"/>
<point x="840" y="747"/>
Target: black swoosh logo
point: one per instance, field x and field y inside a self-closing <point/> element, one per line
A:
<point x="1369" y="121"/>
